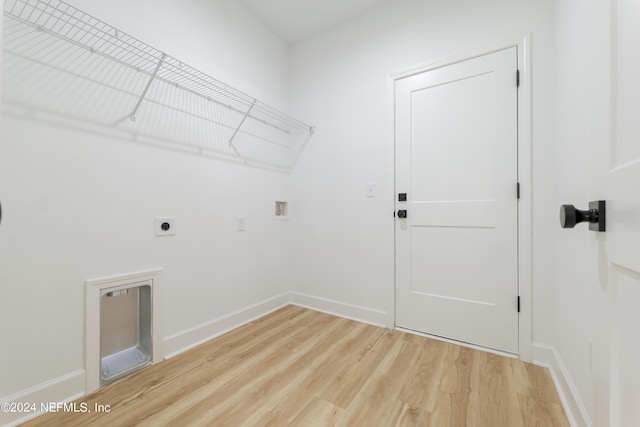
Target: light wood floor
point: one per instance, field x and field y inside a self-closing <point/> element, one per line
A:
<point x="297" y="367"/>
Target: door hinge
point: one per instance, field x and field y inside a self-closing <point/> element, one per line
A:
<point x="517" y="78"/>
<point x="518" y="190"/>
<point x="518" y="303"/>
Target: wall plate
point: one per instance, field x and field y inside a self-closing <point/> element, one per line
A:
<point x="242" y="223"/>
<point x="165" y="226"/>
<point x="281" y="209"/>
<point x="370" y="189"/>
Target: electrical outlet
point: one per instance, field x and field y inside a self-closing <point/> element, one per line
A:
<point x="165" y="226"/>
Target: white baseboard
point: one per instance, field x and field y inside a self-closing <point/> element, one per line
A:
<point x="349" y="311"/>
<point x="547" y="356"/>
<point x="192" y="337"/>
<point x="65" y="388"/>
<point x="72" y="386"/>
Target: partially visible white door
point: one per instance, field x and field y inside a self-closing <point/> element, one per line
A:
<point x="616" y="363"/>
<point x="456" y="160"/>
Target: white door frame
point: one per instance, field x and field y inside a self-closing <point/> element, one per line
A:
<point x="525" y="326"/>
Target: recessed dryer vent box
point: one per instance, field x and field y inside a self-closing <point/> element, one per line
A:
<point x="125" y="330"/>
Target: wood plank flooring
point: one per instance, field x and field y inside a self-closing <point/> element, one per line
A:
<point x="297" y="367"/>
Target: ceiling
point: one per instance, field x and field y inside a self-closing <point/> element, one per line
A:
<point x="295" y="20"/>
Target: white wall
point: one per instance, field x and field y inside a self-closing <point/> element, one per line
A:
<point x="220" y="37"/>
<point x="344" y="241"/>
<point x="77" y="205"/>
<point x="344" y="244"/>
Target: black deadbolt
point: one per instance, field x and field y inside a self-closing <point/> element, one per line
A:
<point x="402" y="213"/>
<point x="402" y="197"/>
<point x="165" y="226"/>
<point x="595" y="216"/>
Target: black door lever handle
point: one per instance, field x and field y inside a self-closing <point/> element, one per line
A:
<point x="595" y="216"/>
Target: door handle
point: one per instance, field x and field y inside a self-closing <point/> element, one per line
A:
<point x="402" y="213"/>
<point x="595" y="216"/>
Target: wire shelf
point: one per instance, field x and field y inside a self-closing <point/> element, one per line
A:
<point x="62" y="62"/>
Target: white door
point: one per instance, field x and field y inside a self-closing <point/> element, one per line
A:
<point x="616" y="353"/>
<point x="456" y="160"/>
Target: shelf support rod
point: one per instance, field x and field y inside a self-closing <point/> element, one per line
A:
<point x="132" y="116"/>
<point x="240" y="125"/>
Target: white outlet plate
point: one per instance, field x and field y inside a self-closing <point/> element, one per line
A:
<point x="170" y="220"/>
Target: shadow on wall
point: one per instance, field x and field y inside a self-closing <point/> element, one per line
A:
<point x="66" y="68"/>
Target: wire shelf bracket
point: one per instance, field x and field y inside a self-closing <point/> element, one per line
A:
<point x="67" y="65"/>
<point x="239" y="126"/>
<point x="132" y="116"/>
